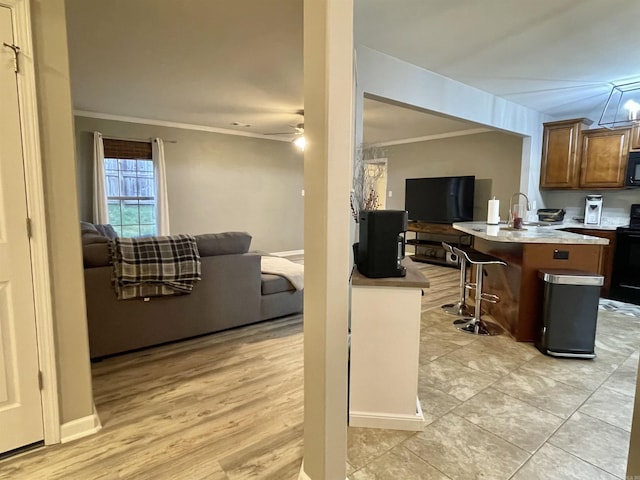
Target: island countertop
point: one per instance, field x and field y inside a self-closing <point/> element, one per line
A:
<point x="528" y="234"/>
<point x="526" y="252"/>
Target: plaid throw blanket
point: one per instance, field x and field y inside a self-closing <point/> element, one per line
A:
<point x="154" y="266"/>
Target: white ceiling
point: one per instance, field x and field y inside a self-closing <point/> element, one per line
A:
<point x="212" y="63"/>
<point x="201" y="62"/>
<point x="558" y="57"/>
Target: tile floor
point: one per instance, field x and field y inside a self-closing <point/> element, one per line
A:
<point x="497" y="409"/>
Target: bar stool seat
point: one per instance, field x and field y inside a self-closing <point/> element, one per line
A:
<point x="476" y="325"/>
<point x="459" y="309"/>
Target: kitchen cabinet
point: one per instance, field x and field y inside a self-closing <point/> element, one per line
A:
<point x="560" y="151"/>
<point x="634" y="141"/>
<point x="606" y="259"/>
<point x="385" y="351"/>
<point x="574" y="157"/>
<point x="604" y="158"/>
<point x="518" y="283"/>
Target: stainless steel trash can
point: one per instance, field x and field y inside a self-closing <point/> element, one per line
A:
<point x="569" y="313"/>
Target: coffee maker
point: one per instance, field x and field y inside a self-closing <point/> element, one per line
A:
<point x="593" y="210"/>
<point x="382" y="242"/>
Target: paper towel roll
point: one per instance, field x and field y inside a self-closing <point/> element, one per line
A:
<point x="493" y="212"/>
<point x="493" y="230"/>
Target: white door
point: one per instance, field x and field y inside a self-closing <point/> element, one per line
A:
<point x="20" y="402"/>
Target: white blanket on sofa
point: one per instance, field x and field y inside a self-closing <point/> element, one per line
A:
<point x="294" y="272"/>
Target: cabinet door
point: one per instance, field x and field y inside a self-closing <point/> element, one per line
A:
<point x="604" y="158"/>
<point x="634" y="142"/>
<point x="560" y="149"/>
<point x="608" y="253"/>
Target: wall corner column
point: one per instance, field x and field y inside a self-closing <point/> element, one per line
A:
<point x="328" y="90"/>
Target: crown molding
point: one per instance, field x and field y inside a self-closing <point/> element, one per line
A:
<point x="170" y="124"/>
<point x="426" y="138"/>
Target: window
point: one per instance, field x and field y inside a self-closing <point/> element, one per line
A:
<point x="130" y="187"/>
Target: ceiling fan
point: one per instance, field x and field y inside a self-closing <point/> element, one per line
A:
<point x="298" y="130"/>
<point x="299" y="139"/>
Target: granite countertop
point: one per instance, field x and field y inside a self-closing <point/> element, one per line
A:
<point x="531" y="233"/>
<point x="609" y="225"/>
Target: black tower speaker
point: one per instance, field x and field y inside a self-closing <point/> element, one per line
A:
<point x="381" y="247"/>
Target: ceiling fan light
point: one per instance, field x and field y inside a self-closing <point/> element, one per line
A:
<point x="623" y="106"/>
<point x="300" y="142"/>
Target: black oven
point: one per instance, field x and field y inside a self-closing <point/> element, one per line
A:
<point x="625" y="281"/>
<point x="633" y="170"/>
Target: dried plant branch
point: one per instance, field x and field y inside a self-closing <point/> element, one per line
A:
<point x="365" y="178"/>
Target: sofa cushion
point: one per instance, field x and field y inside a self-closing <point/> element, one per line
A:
<point x="274" y="284"/>
<point x="96" y="254"/>
<point x="91" y="238"/>
<point x="227" y="243"/>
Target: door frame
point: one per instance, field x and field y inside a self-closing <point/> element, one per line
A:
<point x="34" y="186"/>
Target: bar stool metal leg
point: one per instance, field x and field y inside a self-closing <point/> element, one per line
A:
<point x="475" y="325"/>
<point x="460" y="308"/>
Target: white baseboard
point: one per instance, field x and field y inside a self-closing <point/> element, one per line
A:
<point x="302" y="475"/>
<point x="80" y="427"/>
<point x="288" y="253"/>
<point x="414" y="423"/>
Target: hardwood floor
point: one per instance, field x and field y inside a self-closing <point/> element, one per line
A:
<point x="221" y="407"/>
<point x="224" y="406"/>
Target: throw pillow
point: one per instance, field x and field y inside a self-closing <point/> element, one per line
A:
<point x="86" y="227"/>
<point x="226" y="243"/>
<point x="107" y="230"/>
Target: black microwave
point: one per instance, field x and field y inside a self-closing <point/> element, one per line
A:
<point x="633" y="170"/>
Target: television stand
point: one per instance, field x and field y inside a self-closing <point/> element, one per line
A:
<point x="427" y="242"/>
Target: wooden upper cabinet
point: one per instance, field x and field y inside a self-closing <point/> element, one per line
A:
<point x="574" y="157"/>
<point x="634" y="141"/>
<point x="604" y="158"/>
<point x="560" y="154"/>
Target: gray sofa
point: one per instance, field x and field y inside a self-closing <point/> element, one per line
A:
<point x="232" y="292"/>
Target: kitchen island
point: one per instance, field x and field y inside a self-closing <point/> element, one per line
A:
<point x="527" y="251"/>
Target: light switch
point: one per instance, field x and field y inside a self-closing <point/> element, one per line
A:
<point x="390" y="194"/>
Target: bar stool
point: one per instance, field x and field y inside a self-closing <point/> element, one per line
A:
<point x="460" y="308"/>
<point x="475" y="325"/>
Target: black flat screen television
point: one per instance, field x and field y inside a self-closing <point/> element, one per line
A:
<point x="440" y="199"/>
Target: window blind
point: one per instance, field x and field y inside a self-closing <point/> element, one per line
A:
<point x="126" y="149"/>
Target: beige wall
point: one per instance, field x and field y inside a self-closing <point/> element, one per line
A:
<point x="58" y="159"/>
<point x="215" y="182"/>
<point x="493" y="157"/>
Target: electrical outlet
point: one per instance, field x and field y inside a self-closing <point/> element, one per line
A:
<point x="560" y="255"/>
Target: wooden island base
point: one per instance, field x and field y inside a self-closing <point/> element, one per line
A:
<point x="518" y="285"/>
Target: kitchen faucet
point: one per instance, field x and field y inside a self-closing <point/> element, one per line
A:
<point x="511" y="205"/>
